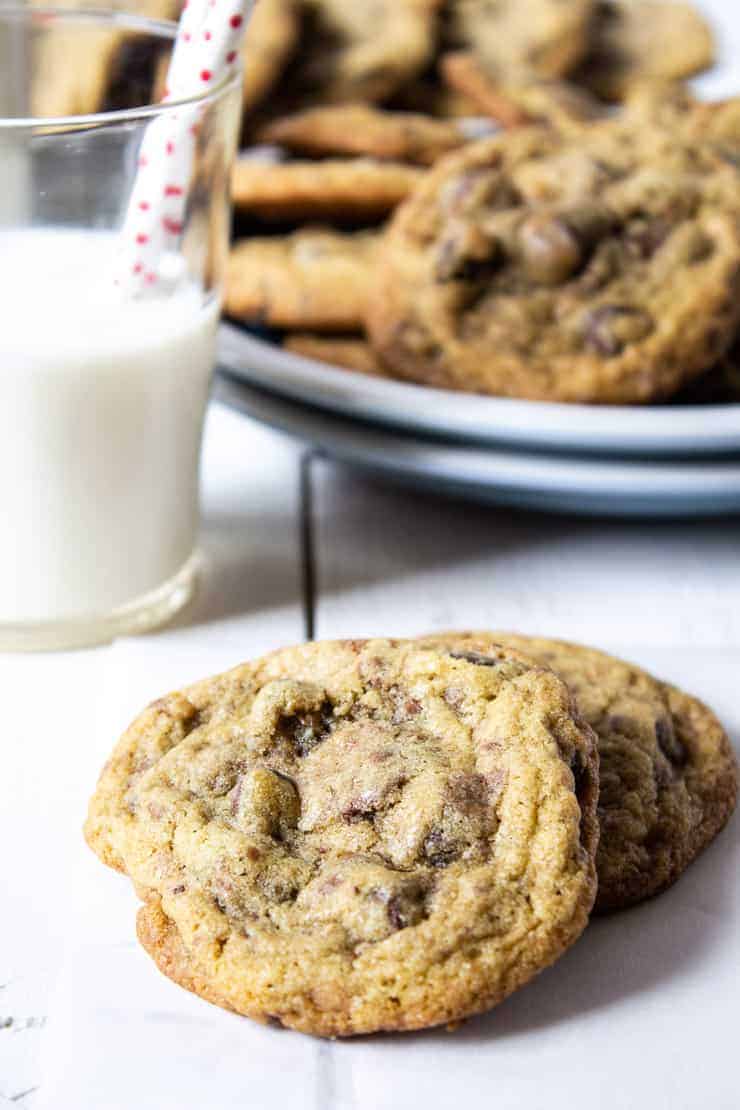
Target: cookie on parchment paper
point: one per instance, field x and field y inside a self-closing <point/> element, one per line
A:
<point x="357" y="836"/>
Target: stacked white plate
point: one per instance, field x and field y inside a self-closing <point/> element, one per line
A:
<point x="657" y="461"/>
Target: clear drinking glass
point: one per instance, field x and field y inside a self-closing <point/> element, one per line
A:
<point x="102" y="396"/>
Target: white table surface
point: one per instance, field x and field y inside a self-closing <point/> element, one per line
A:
<point x="382" y="561"/>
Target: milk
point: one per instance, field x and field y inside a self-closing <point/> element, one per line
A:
<point x="102" y="403"/>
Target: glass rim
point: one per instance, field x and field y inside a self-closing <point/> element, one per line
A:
<point x="157" y="28"/>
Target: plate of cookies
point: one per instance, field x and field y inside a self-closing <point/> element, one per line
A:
<point x="510" y="225"/>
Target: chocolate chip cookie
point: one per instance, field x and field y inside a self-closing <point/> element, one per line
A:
<point x="89" y="68"/>
<point x="672" y="104"/>
<point x="366" y="131"/>
<point x="352" y="53"/>
<point x="360" y="190"/>
<point x="272" y="36"/>
<point x="345" y="353"/>
<point x="358" y="836"/>
<point x="539" y="38"/>
<point x="636" y="39"/>
<point x="514" y="104"/>
<point x="430" y="97"/>
<point x="668" y="775"/>
<point x="315" y="278"/>
<point x="596" y="267"/>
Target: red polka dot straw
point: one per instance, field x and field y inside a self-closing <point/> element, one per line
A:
<point x="208" y="45"/>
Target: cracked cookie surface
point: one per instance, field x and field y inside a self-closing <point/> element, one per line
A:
<point x="668" y="775"/>
<point x="600" y="267"/>
<point x="357" y="836"/>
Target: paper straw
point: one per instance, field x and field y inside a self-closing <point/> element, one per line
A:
<point x="208" y="45"/>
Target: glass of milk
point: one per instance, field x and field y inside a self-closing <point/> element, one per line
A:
<point x="102" y="396"/>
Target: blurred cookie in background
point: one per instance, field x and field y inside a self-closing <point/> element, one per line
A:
<point x="634" y="39"/>
<point x="313" y="280"/>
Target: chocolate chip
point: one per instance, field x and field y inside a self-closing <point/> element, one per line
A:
<point x="178" y="889"/>
<point x="646" y="236"/>
<point x="357" y="811"/>
<point x="550" y="250"/>
<point x="408" y="707"/>
<point x="395" y="915"/>
<point x="282" y="891"/>
<point x="698" y="247"/>
<point x="471" y="270"/>
<point x="605" y="172"/>
<point x="467" y="255"/>
<point x="483" y="185"/>
<point x="612" y="327"/>
<point x="469" y="793"/>
<point x="308" y="729"/>
<point x="406" y="906"/>
<point x="438" y="850"/>
<point x="381" y="756"/>
<point x="367" y="805"/>
<point x="625" y="726"/>
<point x="668" y="742"/>
<point x="475" y="657"/>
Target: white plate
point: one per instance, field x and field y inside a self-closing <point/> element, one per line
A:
<point x="695" y="430"/>
<point x="534" y="480"/>
<point x="612" y="430"/>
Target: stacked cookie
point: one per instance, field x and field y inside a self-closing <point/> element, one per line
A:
<point x="584" y="253"/>
<point x="358" y="836"/>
